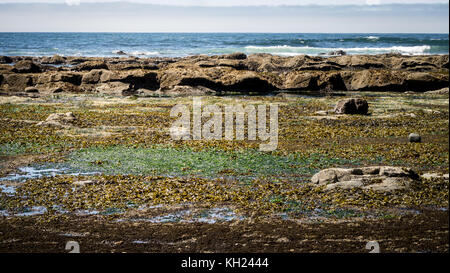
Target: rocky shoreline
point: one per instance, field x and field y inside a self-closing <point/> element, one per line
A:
<point x="237" y="72"/>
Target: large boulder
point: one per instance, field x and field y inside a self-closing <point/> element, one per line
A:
<point x="26" y="66"/>
<point x="382" y="178"/>
<point x="352" y="106"/>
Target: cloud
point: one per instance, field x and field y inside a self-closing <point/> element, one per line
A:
<point x="73" y="2"/>
<point x="373" y="2"/>
<point x="230" y="3"/>
<point x="128" y="17"/>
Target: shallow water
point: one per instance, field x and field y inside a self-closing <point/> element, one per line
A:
<point x="9" y="190"/>
<point x="41" y="171"/>
<point x="38" y="210"/>
<point x="209" y="216"/>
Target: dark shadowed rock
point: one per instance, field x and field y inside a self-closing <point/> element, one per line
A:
<point x="331" y="81"/>
<point x="235" y="56"/>
<point x="352" y="106"/>
<point x="26" y="66"/>
<point x="337" y="53"/>
<point x="249" y="82"/>
<point x="422" y="81"/>
<point x="5" y="60"/>
<point x="31" y="89"/>
<point x="137" y="79"/>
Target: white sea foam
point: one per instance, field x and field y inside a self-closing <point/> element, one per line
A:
<point x="146" y="53"/>
<point x="372" y="38"/>
<point x="136" y="52"/>
<point x="276" y="47"/>
<point x="286" y="50"/>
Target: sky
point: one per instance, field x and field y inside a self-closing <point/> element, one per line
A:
<point x="237" y="2"/>
<point x="306" y="16"/>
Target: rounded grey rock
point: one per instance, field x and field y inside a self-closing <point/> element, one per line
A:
<point x="414" y="138"/>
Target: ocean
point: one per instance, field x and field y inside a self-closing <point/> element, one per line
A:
<point x="185" y="44"/>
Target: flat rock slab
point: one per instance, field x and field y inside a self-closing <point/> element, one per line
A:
<point x="59" y="120"/>
<point x="379" y="178"/>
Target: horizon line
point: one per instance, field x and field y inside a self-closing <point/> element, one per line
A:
<point x="223" y="32"/>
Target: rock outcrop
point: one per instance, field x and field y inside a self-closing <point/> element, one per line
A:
<point x="384" y="178"/>
<point x="237" y="72"/>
